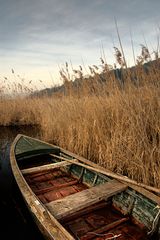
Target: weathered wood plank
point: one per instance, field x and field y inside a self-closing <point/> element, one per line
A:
<point x="75" y="202"/>
<point x="48" y="225"/>
<point x="96" y="168"/>
<point x="47" y="167"/>
<point x="87" y="210"/>
<point x="52" y="188"/>
<point x="146" y="193"/>
<point x="103" y="229"/>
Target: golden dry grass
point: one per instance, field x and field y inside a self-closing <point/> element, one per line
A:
<point x="19" y="111"/>
<point x="120" y="132"/>
<point x="117" y="127"/>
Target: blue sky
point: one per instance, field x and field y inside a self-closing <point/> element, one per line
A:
<point x="37" y="36"/>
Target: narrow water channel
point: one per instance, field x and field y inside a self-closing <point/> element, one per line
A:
<point x="16" y="222"/>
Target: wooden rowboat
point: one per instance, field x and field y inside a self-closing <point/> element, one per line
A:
<point x="70" y="197"/>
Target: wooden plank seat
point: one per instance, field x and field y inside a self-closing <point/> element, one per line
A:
<point x="47" y="167"/>
<point x="75" y="202"/>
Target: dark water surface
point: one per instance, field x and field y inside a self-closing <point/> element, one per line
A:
<point x="16" y="222"/>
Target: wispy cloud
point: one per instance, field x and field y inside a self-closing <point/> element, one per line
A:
<point x="50" y="31"/>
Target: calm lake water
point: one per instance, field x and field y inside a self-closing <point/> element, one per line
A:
<point x="16" y="222"/>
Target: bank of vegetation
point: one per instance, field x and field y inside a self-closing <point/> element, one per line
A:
<point x="112" y="117"/>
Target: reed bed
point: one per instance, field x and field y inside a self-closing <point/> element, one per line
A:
<point x="19" y="111"/>
<point x="112" y="122"/>
<point x="120" y="132"/>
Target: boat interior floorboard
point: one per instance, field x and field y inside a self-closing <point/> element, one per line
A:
<point x="54" y="184"/>
<point x="80" y="200"/>
<point x="99" y="221"/>
<point x="71" y="197"/>
<point x="101" y="224"/>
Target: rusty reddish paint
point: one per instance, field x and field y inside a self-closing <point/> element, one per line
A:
<point x="52" y="196"/>
<point x="98" y="220"/>
<point x="52" y="187"/>
<point x="55" y="184"/>
<point x="139" y="224"/>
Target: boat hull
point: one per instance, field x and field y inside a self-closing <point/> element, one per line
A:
<point x="132" y="200"/>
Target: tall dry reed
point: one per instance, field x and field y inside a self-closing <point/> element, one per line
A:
<point x="114" y="122"/>
<point x="120" y="131"/>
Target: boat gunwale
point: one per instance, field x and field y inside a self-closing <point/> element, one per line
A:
<point x="137" y="186"/>
<point x="36" y="208"/>
<point x="31" y="198"/>
<point x="145" y="192"/>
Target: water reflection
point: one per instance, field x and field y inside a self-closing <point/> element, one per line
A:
<point x="16" y="221"/>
